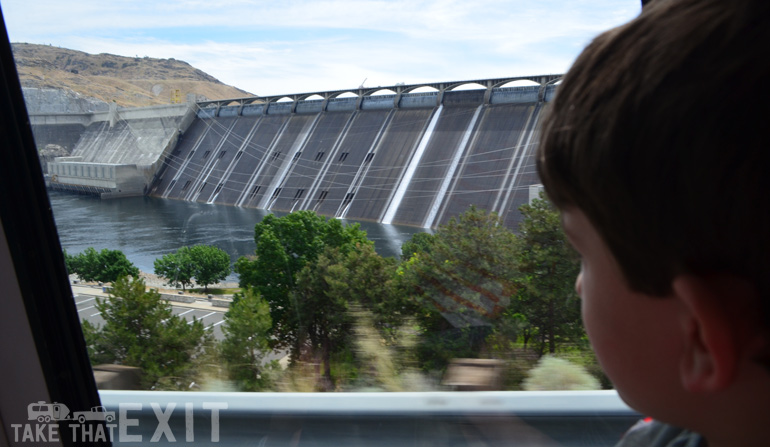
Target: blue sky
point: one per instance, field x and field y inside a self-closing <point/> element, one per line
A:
<point x="296" y="46"/>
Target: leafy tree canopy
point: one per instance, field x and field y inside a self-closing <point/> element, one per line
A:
<point x="285" y="245"/>
<point x="140" y="330"/>
<point x="325" y="292"/>
<point x="104" y="266"/>
<point x="204" y="263"/>
<point x="210" y="264"/>
<point x="419" y="243"/>
<point x="546" y="297"/>
<point x="176" y="267"/>
<point x="461" y="280"/>
<point x="247" y="331"/>
<point x="467" y="269"/>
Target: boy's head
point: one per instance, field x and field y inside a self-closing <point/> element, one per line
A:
<point x="659" y="133"/>
<point x="658" y="137"/>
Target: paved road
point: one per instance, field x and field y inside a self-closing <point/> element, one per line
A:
<point x="212" y="317"/>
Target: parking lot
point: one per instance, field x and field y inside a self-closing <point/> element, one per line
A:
<point x="212" y="317"/>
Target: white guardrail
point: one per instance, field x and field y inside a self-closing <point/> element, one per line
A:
<point x="549" y="418"/>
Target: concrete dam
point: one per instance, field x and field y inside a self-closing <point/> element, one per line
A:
<point x="414" y="159"/>
<point x="403" y="158"/>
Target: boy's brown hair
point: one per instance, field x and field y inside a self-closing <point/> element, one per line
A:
<point x="660" y="134"/>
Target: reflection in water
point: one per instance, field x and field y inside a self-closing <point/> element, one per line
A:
<point x="146" y="228"/>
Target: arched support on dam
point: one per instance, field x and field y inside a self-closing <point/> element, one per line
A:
<point x="213" y="107"/>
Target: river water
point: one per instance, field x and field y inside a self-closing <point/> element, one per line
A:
<point x="146" y="228"/>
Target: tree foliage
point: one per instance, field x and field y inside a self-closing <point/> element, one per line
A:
<point x="462" y="279"/>
<point x="546" y="299"/>
<point x="328" y="289"/>
<point x="418" y="243"/>
<point x="140" y="330"/>
<point x="478" y="287"/>
<point x="205" y="264"/>
<point x="176" y="267"/>
<point x="311" y="271"/>
<point x="104" y="266"/>
<point x="247" y="330"/>
<point x="210" y="265"/>
<point x="285" y="245"/>
<point x="324" y="324"/>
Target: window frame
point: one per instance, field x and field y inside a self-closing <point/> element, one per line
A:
<point x="42" y="346"/>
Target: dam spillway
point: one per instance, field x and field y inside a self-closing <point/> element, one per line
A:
<point x="413" y="159"/>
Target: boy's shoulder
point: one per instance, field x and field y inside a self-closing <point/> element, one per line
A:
<point x="648" y="433"/>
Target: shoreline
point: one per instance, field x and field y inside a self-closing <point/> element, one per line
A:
<point x="156" y="282"/>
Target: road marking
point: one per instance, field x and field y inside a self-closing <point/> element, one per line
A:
<point x="216" y="324"/>
<point x="179" y="315"/>
<point x="201" y="318"/>
<point x="86" y="308"/>
<point x="85" y="301"/>
<point x="96" y="314"/>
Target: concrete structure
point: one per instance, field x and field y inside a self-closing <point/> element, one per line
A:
<point x="403" y="158"/>
<point x="105" y="179"/>
<point x="117" y="152"/>
<point x="117" y="377"/>
<point x="362" y="94"/>
<point x="180" y="297"/>
<point x="394" y="154"/>
<point x="474" y="374"/>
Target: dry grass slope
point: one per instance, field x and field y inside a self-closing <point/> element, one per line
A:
<point x="129" y="81"/>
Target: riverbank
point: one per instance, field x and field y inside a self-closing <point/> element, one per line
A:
<point x="161" y="285"/>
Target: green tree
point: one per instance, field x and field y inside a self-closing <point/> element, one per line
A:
<point x="247" y="330"/>
<point x="418" y="243"/>
<point x="285" y="245"/>
<point x="210" y="264"/>
<point x="68" y="261"/>
<point x="140" y="330"/>
<point x="204" y="263"/>
<point x="324" y="325"/>
<point x="176" y="267"/>
<point x="546" y="297"/>
<point x="104" y="266"/>
<point x="461" y="281"/>
<point x="369" y="280"/>
<point x="325" y="292"/>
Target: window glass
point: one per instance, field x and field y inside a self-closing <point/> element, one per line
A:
<point x="431" y="274"/>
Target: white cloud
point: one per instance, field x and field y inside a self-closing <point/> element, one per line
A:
<point x="292" y="46"/>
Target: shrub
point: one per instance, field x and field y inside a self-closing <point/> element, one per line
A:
<point x="553" y="373"/>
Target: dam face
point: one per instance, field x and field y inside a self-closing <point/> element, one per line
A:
<point x="414" y="159"/>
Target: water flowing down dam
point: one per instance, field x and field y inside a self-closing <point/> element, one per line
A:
<point x="408" y="158"/>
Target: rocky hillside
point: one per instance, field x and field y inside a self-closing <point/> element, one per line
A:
<point x="128" y="81"/>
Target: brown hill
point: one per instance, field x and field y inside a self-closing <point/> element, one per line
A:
<point x="129" y="81"/>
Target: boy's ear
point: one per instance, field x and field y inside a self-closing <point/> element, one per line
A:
<point x="716" y="326"/>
